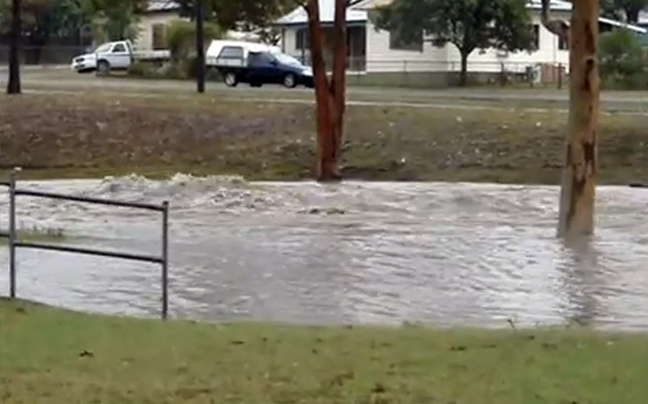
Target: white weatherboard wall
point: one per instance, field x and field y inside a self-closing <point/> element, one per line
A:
<point x="144" y="40"/>
<point x="289" y="41"/>
<point x="380" y="58"/>
<point x="490" y="60"/>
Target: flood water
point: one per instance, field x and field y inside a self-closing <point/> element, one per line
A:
<point x="441" y="254"/>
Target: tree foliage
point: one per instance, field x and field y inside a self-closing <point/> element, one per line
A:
<point x="181" y="37"/>
<point x="627" y="10"/>
<point x="43" y="20"/>
<point x="240" y="14"/>
<point x="114" y="19"/>
<point x="623" y="62"/>
<point x="467" y="24"/>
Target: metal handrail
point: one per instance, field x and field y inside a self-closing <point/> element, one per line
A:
<point x="14" y="243"/>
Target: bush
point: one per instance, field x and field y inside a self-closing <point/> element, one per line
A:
<point x="622" y="60"/>
<point x="181" y="38"/>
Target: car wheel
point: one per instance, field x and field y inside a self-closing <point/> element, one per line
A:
<point x="103" y="68"/>
<point x="230" y="79"/>
<point x="289" y="80"/>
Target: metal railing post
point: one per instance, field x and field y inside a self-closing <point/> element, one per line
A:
<point x="12" y="234"/>
<point x="165" y="259"/>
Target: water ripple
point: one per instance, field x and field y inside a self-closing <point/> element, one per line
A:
<point x="442" y="253"/>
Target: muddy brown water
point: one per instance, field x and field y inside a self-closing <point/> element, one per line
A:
<point x="442" y="254"/>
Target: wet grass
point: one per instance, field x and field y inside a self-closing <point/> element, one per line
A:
<point x="54" y="356"/>
<point x="106" y="134"/>
<point x="38" y="234"/>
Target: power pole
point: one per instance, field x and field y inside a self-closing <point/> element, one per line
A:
<point x="200" y="47"/>
<point x="13" y="84"/>
<point x="578" y="187"/>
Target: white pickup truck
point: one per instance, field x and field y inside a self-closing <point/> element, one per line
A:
<point x="117" y="55"/>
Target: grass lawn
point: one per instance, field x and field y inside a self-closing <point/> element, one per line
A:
<point x="54" y="356"/>
<point x="97" y="134"/>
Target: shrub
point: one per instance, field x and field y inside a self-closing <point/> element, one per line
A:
<point x="181" y="38"/>
<point x="622" y="60"/>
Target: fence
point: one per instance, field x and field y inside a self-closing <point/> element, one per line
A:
<point x="419" y="72"/>
<point x="14" y="242"/>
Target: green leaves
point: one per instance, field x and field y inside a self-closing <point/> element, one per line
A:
<point x="625" y="9"/>
<point x="467" y="24"/>
<point x="245" y="14"/>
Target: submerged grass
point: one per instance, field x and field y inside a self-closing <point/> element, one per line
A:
<point x="38" y="233"/>
<point x="54" y="356"/>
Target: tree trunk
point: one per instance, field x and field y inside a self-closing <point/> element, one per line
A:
<point x="13" y="84"/>
<point x="329" y="96"/>
<point x="463" y="73"/>
<point x="577" y="194"/>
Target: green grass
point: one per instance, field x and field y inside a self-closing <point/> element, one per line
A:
<point x="59" y="357"/>
<point x="38" y="234"/>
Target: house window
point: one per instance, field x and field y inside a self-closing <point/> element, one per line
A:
<point x="301" y="39"/>
<point x="562" y="44"/>
<point x="536" y="36"/>
<point x="397" y="43"/>
<point x="158" y="37"/>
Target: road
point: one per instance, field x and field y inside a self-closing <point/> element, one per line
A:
<point x="62" y="80"/>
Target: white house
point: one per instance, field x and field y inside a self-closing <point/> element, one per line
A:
<point x="381" y="53"/>
<point x="153" y="23"/>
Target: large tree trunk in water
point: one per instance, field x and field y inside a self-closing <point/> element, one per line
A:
<point x="330" y="97"/>
<point x="463" y="73"/>
<point x="13" y="84"/>
<point x="577" y="194"/>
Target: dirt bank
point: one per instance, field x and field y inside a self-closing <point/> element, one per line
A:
<point x="58" y="135"/>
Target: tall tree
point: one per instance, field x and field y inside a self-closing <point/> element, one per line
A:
<point x="467" y="24"/>
<point x="330" y="94"/>
<point x="13" y="84"/>
<point x="578" y="182"/>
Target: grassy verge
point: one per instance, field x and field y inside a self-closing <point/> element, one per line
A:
<point x="103" y="134"/>
<point x="38" y="234"/>
<point x="96" y="359"/>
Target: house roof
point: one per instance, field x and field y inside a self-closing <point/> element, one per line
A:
<point x="160" y="6"/>
<point x="620" y="24"/>
<point x="327" y="12"/>
<point x="555" y="5"/>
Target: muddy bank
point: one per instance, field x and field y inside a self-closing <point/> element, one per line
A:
<point x="109" y="135"/>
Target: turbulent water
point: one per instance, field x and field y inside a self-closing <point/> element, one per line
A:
<point x="443" y="254"/>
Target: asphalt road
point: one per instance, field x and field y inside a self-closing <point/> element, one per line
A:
<point x="63" y="80"/>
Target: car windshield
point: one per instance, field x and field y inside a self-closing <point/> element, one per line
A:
<point x="103" y="48"/>
<point x="288" y="60"/>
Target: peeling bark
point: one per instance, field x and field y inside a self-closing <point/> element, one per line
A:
<point x="577" y="195"/>
<point x="329" y="95"/>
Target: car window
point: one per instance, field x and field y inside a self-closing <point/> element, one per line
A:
<point x="119" y="48"/>
<point x="103" y="48"/>
<point x="231" y="52"/>
<point x="259" y="58"/>
<point x="288" y="60"/>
